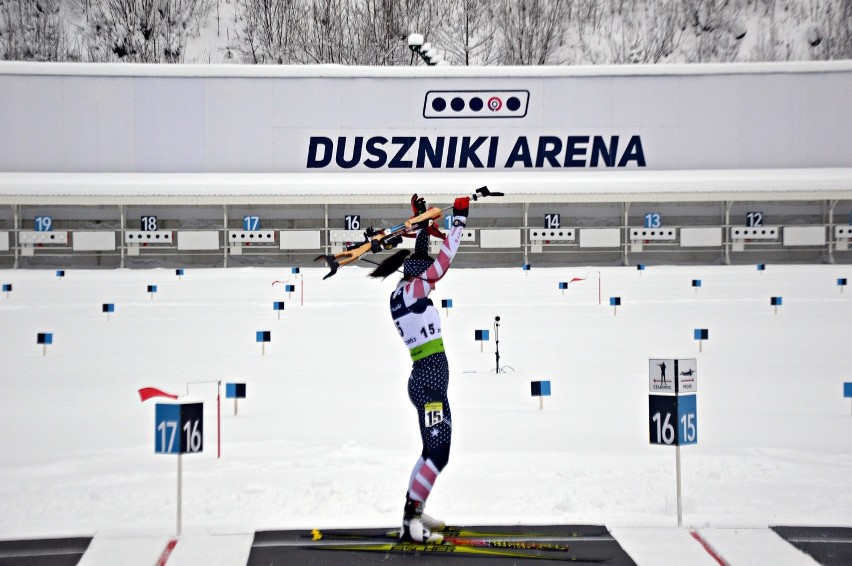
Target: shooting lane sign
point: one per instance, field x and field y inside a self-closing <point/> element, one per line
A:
<point x="673" y="415"/>
<point x="179" y="429"/>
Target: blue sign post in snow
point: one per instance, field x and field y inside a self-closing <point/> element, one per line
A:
<point x="776" y="302"/>
<point x="447" y="304"/>
<point x="696" y="284"/>
<point x="7" y="288"/>
<point x="235" y="391"/>
<point x="841" y="282"/>
<point x="615" y="302"/>
<point x="847" y="389"/>
<point x="45" y="339"/>
<point x="278" y="306"/>
<point x="540" y="389"/>
<point x="263" y="336"/>
<point x="481" y="336"/>
<point x="701" y="334"/>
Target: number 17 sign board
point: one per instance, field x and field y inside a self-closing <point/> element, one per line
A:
<point x="179" y="428"/>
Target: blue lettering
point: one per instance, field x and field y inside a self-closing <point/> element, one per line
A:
<point x="634" y="152"/>
<point x="377" y="152"/>
<point x="573" y="151"/>
<point x="600" y="149"/>
<point x="340" y="157"/>
<point x="548" y="148"/>
<point x="317" y="142"/>
<point x="520" y="152"/>
<point x="492" y="151"/>
<point x="451" y="152"/>
<point x="425" y="150"/>
<point x="468" y="152"/>
<point x="405" y="144"/>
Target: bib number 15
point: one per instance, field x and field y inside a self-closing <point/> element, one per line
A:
<point x="433" y="414"/>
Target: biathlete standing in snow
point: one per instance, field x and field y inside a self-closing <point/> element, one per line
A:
<point x="419" y="325"/>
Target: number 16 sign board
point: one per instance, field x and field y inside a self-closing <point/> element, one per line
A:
<point x="179" y="428"/>
<point x="673" y="419"/>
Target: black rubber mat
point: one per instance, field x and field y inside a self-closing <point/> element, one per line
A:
<point x="43" y="552"/>
<point x="830" y="546"/>
<point x="507" y="545"/>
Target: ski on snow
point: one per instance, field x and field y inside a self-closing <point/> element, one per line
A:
<point x="456" y="541"/>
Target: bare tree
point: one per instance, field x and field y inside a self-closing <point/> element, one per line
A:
<point x="650" y="35"/>
<point x="267" y="31"/>
<point x="32" y="30"/>
<point x="469" y="31"/>
<point x="531" y="31"/>
<point x="150" y="31"/>
<point x="712" y="22"/>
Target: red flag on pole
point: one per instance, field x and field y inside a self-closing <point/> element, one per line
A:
<point x="147" y="392"/>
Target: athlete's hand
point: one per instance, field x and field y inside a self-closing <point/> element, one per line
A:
<point x="461" y="206"/>
<point x="418" y="204"/>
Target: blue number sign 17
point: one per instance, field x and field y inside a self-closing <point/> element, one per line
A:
<point x="179" y="428"/>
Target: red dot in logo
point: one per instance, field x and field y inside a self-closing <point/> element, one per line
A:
<point x="495" y="104"/>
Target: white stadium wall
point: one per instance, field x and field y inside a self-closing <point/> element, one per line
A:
<point x="702" y="150"/>
<point x="214" y="119"/>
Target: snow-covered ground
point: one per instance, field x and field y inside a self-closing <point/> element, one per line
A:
<point x="326" y="436"/>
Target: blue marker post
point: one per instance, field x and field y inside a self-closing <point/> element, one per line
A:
<point x="263" y="336"/>
<point x="278" y="306"/>
<point x="562" y="286"/>
<point x="152" y="289"/>
<point x="481" y="336"/>
<point x="526" y="267"/>
<point x="44" y="338"/>
<point x="640" y="267"/>
<point x="540" y="389"/>
<point x="776" y="302"/>
<point x="447" y="304"/>
<point x="696" y="283"/>
<point x="179" y="273"/>
<point x="847" y="390"/>
<point x="235" y="391"/>
<point x="701" y="334"/>
<point x="761" y="267"/>
<point x="60" y="273"/>
<point x="289" y="289"/>
<point x="7" y="288"/>
<point x="108" y="308"/>
<point x="615" y="302"/>
<point x="841" y="282"/>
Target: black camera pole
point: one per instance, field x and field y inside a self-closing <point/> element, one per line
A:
<point x="497" y="346"/>
<point x="497" y="341"/>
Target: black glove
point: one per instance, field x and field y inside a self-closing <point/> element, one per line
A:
<point x="418" y="204"/>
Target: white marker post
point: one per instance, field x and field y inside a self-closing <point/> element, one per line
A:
<point x="540" y="389"/>
<point x="481" y="336"/>
<point x="263" y="336"/>
<point x="44" y="338"/>
<point x="179" y="429"/>
<point x="615" y="302"/>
